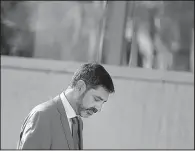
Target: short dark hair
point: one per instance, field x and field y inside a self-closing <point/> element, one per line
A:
<point x="94" y="75"/>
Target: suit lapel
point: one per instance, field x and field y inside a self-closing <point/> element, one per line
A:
<point x="64" y="121"/>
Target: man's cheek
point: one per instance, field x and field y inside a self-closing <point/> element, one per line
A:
<point x="87" y="103"/>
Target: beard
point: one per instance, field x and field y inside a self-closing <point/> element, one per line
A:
<point x="80" y="108"/>
<point x="84" y="111"/>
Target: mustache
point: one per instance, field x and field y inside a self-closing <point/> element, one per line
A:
<point x="94" y="110"/>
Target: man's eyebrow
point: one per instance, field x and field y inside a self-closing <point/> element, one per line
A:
<point x="100" y="98"/>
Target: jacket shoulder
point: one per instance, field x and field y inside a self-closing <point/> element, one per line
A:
<point x="47" y="108"/>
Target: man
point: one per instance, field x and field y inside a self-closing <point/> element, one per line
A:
<point x="57" y="124"/>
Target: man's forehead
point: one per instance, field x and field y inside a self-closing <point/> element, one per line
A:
<point x="101" y="92"/>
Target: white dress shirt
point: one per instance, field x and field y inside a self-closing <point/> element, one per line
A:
<point x="68" y="109"/>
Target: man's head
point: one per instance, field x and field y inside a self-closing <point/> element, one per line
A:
<point x="91" y="85"/>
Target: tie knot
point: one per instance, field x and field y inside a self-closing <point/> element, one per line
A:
<point x="75" y="120"/>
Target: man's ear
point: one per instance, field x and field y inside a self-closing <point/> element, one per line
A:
<point x="81" y="86"/>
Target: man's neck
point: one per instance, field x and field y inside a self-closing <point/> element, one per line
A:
<point x="68" y="94"/>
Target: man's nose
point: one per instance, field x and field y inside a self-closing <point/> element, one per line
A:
<point x="99" y="107"/>
<point x="99" y="110"/>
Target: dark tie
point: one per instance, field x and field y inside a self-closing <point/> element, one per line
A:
<point x="75" y="132"/>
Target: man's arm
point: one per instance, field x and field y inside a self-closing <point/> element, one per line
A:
<point x="36" y="133"/>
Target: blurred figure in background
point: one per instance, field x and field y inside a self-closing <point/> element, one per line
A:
<point x="166" y="42"/>
<point x="162" y="35"/>
<point x="17" y="35"/>
<point x="145" y="45"/>
<point x="156" y="35"/>
<point x="93" y="15"/>
<point x="142" y="49"/>
<point x="128" y="37"/>
<point x="55" y="30"/>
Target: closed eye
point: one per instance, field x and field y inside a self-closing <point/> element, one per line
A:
<point x="97" y="100"/>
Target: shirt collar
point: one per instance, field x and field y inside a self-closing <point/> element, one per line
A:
<point x="68" y="108"/>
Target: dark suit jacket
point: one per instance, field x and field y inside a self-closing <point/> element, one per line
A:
<point x="47" y="127"/>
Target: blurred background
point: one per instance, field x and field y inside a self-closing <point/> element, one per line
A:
<point x="146" y="46"/>
<point x="146" y="34"/>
